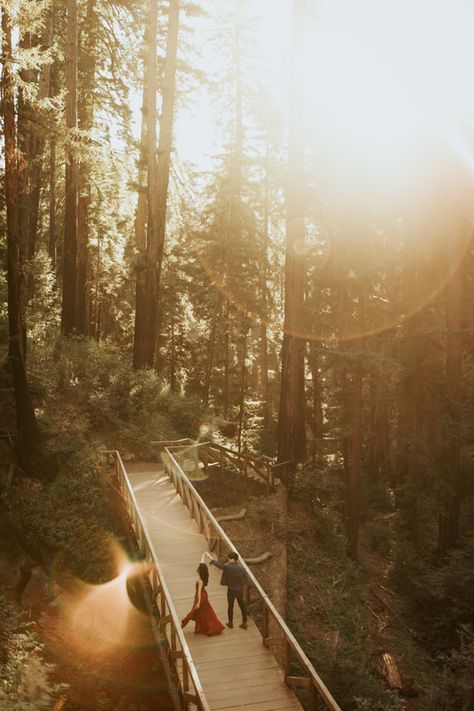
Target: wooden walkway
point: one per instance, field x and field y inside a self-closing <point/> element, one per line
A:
<point x="236" y="670"/>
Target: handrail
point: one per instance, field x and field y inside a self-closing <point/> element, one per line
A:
<point x="179" y="649"/>
<point x="220" y="542"/>
<point x="263" y="466"/>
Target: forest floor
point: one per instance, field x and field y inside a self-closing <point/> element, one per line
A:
<point x="317" y="593"/>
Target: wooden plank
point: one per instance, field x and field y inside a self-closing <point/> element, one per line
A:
<point x="265" y="705"/>
<point x="239" y="674"/>
<point x="264" y="692"/>
<point x="302" y="682"/>
<point x="283" y="705"/>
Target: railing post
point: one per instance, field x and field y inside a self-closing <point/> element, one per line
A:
<point x="221" y="462"/>
<point x="313" y="698"/>
<point x="286" y="658"/>
<point x="206" y="456"/>
<point x="265" y="622"/>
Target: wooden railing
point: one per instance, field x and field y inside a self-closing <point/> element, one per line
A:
<point x="220" y="544"/>
<point x="212" y="454"/>
<point x="179" y="656"/>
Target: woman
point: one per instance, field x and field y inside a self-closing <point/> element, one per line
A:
<point x="202" y="611"/>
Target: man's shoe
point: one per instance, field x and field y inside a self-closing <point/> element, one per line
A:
<point x="243" y="625"/>
<point x="229" y="624"/>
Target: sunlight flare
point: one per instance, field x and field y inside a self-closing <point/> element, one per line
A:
<point x="387" y="80"/>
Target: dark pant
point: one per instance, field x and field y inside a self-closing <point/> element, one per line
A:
<point x="238" y="595"/>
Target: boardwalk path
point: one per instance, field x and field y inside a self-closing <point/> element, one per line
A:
<point x="236" y="670"/>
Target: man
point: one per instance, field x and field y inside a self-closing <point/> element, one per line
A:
<point x="234" y="578"/>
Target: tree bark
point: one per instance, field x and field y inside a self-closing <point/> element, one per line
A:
<point x="158" y="177"/>
<point x="317" y="414"/>
<point x="68" y="316"/>
<point x="353" y="483"/>
<point x="85" y="118"/>
<point x="291" y="426"/>
<point x="448" y="531"/>
<point x="140" y="226"/>
<point x="27" y="428"/>
<point x="264" y="296"/>
<point x="52" y="240"/>
<point x="243" y="382"/>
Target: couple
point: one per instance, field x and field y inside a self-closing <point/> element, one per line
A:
<point x="202" y="612"/>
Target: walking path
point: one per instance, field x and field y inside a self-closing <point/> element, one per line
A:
<point x="236" y="670"/>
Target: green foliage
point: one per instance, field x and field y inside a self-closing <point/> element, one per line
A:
<point x="456" y="691"/>
<point x="25" y="678"/>
<point x="93" y="388"/>
<point x="43" y="310"/>
<point x="378" y="538"/>
<point x="320" y="492"/>
<point x="73" y="522"/>
<point x="185" y="414"/>
<point x="438" y="594"/>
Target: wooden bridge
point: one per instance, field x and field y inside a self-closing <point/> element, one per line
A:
<point x="173" y="527"/>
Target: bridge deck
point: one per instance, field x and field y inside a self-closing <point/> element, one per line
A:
<point x="236" y="670"/>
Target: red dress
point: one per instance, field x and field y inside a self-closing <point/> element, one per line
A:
<point x="204" y="616"/>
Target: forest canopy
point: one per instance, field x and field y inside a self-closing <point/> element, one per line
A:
<point x="248" y="221"/>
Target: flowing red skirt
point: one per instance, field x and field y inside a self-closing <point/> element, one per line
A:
<point x="204" y="616"/>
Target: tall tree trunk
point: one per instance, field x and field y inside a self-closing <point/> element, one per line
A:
<point x="52" y="232"/>
<point x="450" y="494"/>
<point x="291" y="425"/>
<point x="27" y="429"/>
<point x="227" y="336"/>
<point x="52" y="239"/>
<point x="264" y="296"/>
<point x="140" y="226"/>
<point x="317" y="414"/>
<point x="232" y="230"/>
<point x="158" y="176"/>
<point x="68" y="316"/>
<point x="85" y="118"/>
<point x="172" y="355"/>
<point x="243" y="381"/>
<point x="211" y="347"/>
<point x="353" y="481"/>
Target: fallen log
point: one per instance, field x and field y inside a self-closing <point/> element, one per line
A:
<point x="232" y="517"/>
<point x="391" y="672"/>
<point x="261" y="559"/>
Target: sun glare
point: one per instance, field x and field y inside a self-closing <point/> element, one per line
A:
<point x="387" y="79"/>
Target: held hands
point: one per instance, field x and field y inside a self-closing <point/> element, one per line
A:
<point x="207" y="556"/>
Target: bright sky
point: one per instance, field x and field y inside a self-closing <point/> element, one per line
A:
<point x="382" y="79"/>
<point x="196" y="134"/>
<point x="386" y="81"/>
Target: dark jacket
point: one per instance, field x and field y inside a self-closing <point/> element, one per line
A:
<point x="233" y="576"/>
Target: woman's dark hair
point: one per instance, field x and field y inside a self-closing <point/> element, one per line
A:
<point x="203" y="572"/>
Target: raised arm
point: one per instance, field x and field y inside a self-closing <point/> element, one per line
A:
<point x="221" y="566"/>
<point x="198" y="601"/>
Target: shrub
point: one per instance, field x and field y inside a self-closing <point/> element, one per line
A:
<point x="25" y="678"/>
<point x="456" y="691"/>
<point x="70" y="520"/>
<point x="438" y="594"/>
<point x="378" y="538"/>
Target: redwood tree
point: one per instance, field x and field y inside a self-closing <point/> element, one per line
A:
<point x="68" y="317"/>
<point x="158" y="179"/>
<point x="291" y="426"/>
<point x="27" y="428"/>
